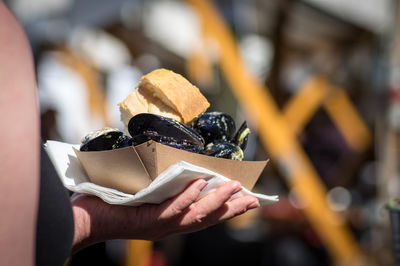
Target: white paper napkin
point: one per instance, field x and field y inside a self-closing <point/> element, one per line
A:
<point x="168" y="184"/>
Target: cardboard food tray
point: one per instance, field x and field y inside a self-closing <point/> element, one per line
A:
<point x="132" y="168"/>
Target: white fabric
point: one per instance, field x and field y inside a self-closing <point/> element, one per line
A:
<point x="166" y="185"/>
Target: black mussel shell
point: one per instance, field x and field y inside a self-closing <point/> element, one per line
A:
<point x="144" y="127"/>
<point x="242" y="136"/>
<point x="224" y="149"/>
<point x="104" y="139"/>
<point x="213" y="126"/>
<point x="170" y="141"/>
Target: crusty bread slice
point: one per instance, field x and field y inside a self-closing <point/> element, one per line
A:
<point x="165" y="93"/>
<point x="140" y="101"/>
<point x="176" y="92"/>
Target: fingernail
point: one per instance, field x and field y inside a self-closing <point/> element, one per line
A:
<point x="202" y="184"/>
<point x="254" y="204"/>
<point x="237" y="187"/>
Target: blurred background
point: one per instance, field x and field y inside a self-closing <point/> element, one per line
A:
<point x="318" y="82"/>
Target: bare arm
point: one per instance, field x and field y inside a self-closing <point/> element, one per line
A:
<point x="19" y="142"/>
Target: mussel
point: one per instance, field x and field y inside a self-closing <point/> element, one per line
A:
<point x="212" y="134"/>
<point x="224" y="149"/>
<point x="143" y="127"/>
<point x="218" y="130"/>
<point x="241" y="136"/>
<point x="213" y="126"/>
<point x="104" y="139"/>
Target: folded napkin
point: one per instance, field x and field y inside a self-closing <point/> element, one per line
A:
<point x="168" y="184"/>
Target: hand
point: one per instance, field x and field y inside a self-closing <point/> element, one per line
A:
<point x="97" y="221"/>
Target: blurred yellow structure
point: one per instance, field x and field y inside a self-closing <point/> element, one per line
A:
<point x="317" y="92"/>
<point x="279" y="137"/>
<point x="138" y="253"/>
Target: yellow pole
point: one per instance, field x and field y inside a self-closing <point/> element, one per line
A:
<point x="303" y="105"/>
<point x="279" y="139"/>
<point x="138" y="253"/>
<point x="317" y="92"/>
<point x="343" y="114"/>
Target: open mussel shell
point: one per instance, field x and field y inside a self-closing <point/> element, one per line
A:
<point x="144" y="127"/>
<point x="224" y="149"/>
<point x="213" y="126"/>
<point x="242" y="136"/>
<point x="104" y="139"/>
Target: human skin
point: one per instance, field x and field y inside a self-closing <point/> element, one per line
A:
<point x="97" y="221"/>
<point x="19" y="142"/>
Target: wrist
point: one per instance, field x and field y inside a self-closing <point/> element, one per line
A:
<point x="94" y="221"/>
<point x="82" y="227"/>
<point x="87" y="212"/>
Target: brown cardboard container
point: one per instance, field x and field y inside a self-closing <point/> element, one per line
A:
<point x="133" y="168"/>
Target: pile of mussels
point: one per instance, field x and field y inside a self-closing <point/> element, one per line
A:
<point x="212" y="133"/>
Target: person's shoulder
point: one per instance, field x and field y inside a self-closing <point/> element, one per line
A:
<point x="15" y="54"/>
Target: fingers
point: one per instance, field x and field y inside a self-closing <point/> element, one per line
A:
<point x="217" y="206"/>
<point x="187" y="213"/>
<point x="182" y="201"/>
<point x="236" y="207"/>
<point x="216" y="199"/>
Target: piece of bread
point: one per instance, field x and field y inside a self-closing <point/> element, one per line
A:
<point x="165" y="93"/>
